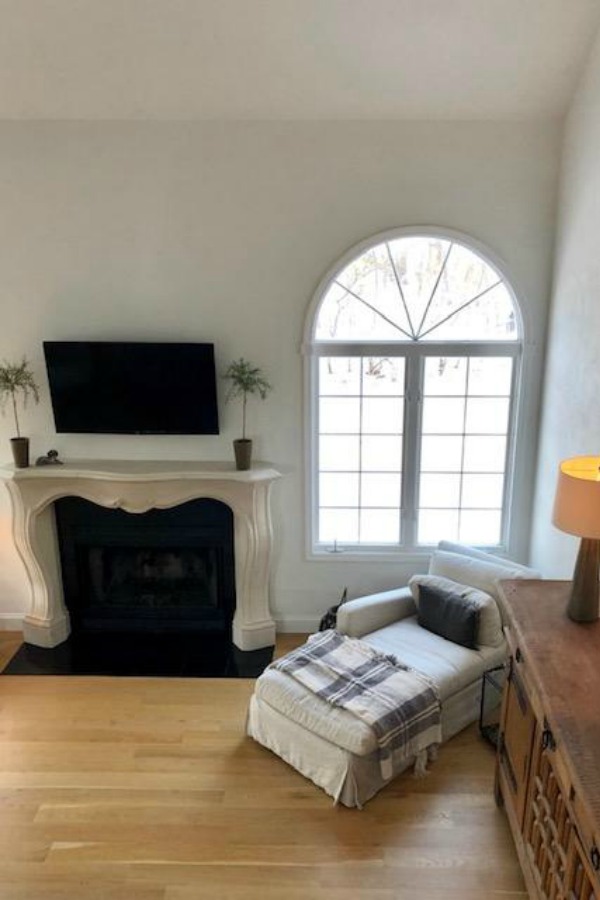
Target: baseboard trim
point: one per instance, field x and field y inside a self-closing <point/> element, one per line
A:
<point x="296" y="626"/>
<point x="11" y="622"/>
<point x="285" y="625"/>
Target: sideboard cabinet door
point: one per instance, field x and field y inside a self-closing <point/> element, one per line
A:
<point x="551" y="837"/>
<point x="516" y="742"/>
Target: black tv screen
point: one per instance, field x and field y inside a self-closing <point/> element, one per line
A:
<point x="101" y="387"/>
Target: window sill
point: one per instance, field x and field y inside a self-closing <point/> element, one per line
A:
<point x="399" y="556"/>
<point x="388" y="556"/>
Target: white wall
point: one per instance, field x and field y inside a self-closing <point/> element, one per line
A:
<point x="221" y="232"/>
<point x="570" y="421"/>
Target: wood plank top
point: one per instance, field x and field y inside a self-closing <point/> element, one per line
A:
<point x="562" y="661"/>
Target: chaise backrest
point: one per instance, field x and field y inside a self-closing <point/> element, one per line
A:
<point x="456" y="562"/>
<point x="476" y="568"/>
<point x="465" y="550"/>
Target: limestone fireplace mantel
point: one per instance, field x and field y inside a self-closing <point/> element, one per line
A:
<point x="136" y="487"/>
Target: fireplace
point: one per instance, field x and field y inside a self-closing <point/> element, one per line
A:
<point x="160" y="571"/>
<point x="134" y="488"/>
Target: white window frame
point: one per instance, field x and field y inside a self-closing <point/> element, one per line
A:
<point x="414" y="353"/>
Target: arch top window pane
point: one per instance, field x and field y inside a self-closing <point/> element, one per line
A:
<point x="490" y="317"/>
<point x="344" y="317"/>
<point x="373" y="280"/>
<point x="418" y="262"/>
<point x="417" y="288"/>
<point x="463" y="277"/>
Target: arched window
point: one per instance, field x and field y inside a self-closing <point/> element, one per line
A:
<point x="414" y="345"/>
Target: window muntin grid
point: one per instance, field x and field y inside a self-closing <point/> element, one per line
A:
<point x="464" y="440"/>
<point x="360" y="435"/>
<point x="416" y="298"/>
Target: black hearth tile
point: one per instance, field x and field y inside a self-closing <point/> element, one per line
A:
<point x="32" y="660"/>
<point x="153" y="655"/>
<point x="251" y="663"/>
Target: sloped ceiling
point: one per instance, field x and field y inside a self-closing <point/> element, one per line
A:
<point x="292" y="59"/>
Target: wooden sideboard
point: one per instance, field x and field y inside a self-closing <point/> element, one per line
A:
<point x="548" y="763"/>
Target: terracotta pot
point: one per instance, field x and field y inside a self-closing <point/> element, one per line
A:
<point x="243" y="453"/>
<point x="20" y="451"/>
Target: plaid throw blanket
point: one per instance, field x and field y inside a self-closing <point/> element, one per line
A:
<point x="398" y="703"/>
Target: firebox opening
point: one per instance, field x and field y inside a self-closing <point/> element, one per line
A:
<point x="162" y="571"/>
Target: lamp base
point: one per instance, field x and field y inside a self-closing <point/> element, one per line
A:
<point x="585" y="594"/>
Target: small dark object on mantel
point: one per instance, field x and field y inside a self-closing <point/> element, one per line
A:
<point x="50" y="459"/>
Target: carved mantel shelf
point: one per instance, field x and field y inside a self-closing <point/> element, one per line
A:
<point x="137" y="486"/>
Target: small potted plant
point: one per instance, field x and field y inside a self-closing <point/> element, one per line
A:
<point x="245" y="379"/>
<point x="15" y="379"/>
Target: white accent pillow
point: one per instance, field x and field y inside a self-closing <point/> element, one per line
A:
<point x="489" y="632"/>
<point x="475" y="572"/>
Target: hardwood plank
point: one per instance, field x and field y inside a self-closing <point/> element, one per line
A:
<point x="148" y="789"/>
<point x="287" y="642"/>
<point x="10" y="641"/>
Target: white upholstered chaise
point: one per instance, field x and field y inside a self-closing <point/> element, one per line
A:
<point x="330" y="746"/>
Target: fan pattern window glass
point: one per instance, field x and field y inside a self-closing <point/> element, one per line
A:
<point x="415" y="289"/>
<point x="415" y="347"/>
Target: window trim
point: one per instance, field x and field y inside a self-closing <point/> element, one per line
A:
<point x="313" y="349"/>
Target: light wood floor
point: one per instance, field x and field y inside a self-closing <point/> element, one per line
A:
<point x="148" y="789"/>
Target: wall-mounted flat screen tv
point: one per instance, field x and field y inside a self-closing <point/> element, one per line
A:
<point x="102" y="387"/>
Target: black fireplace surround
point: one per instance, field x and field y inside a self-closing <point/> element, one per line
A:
<point x="164" y="571"/>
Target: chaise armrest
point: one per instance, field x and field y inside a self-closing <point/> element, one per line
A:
<point x="365" y="614"/>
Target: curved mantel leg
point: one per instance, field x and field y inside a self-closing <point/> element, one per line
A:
<point x="136" y="488"/>
<point x="47" y="622"/>
<point x="253" y="626"/>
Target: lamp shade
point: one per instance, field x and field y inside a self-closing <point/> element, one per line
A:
<point x="577" y="501"/>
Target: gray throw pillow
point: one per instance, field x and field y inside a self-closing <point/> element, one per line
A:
<point x="490" y="632"/>
<point x="449" y="615"/>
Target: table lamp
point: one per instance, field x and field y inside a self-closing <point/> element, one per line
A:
<point x="577" y="511"/>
